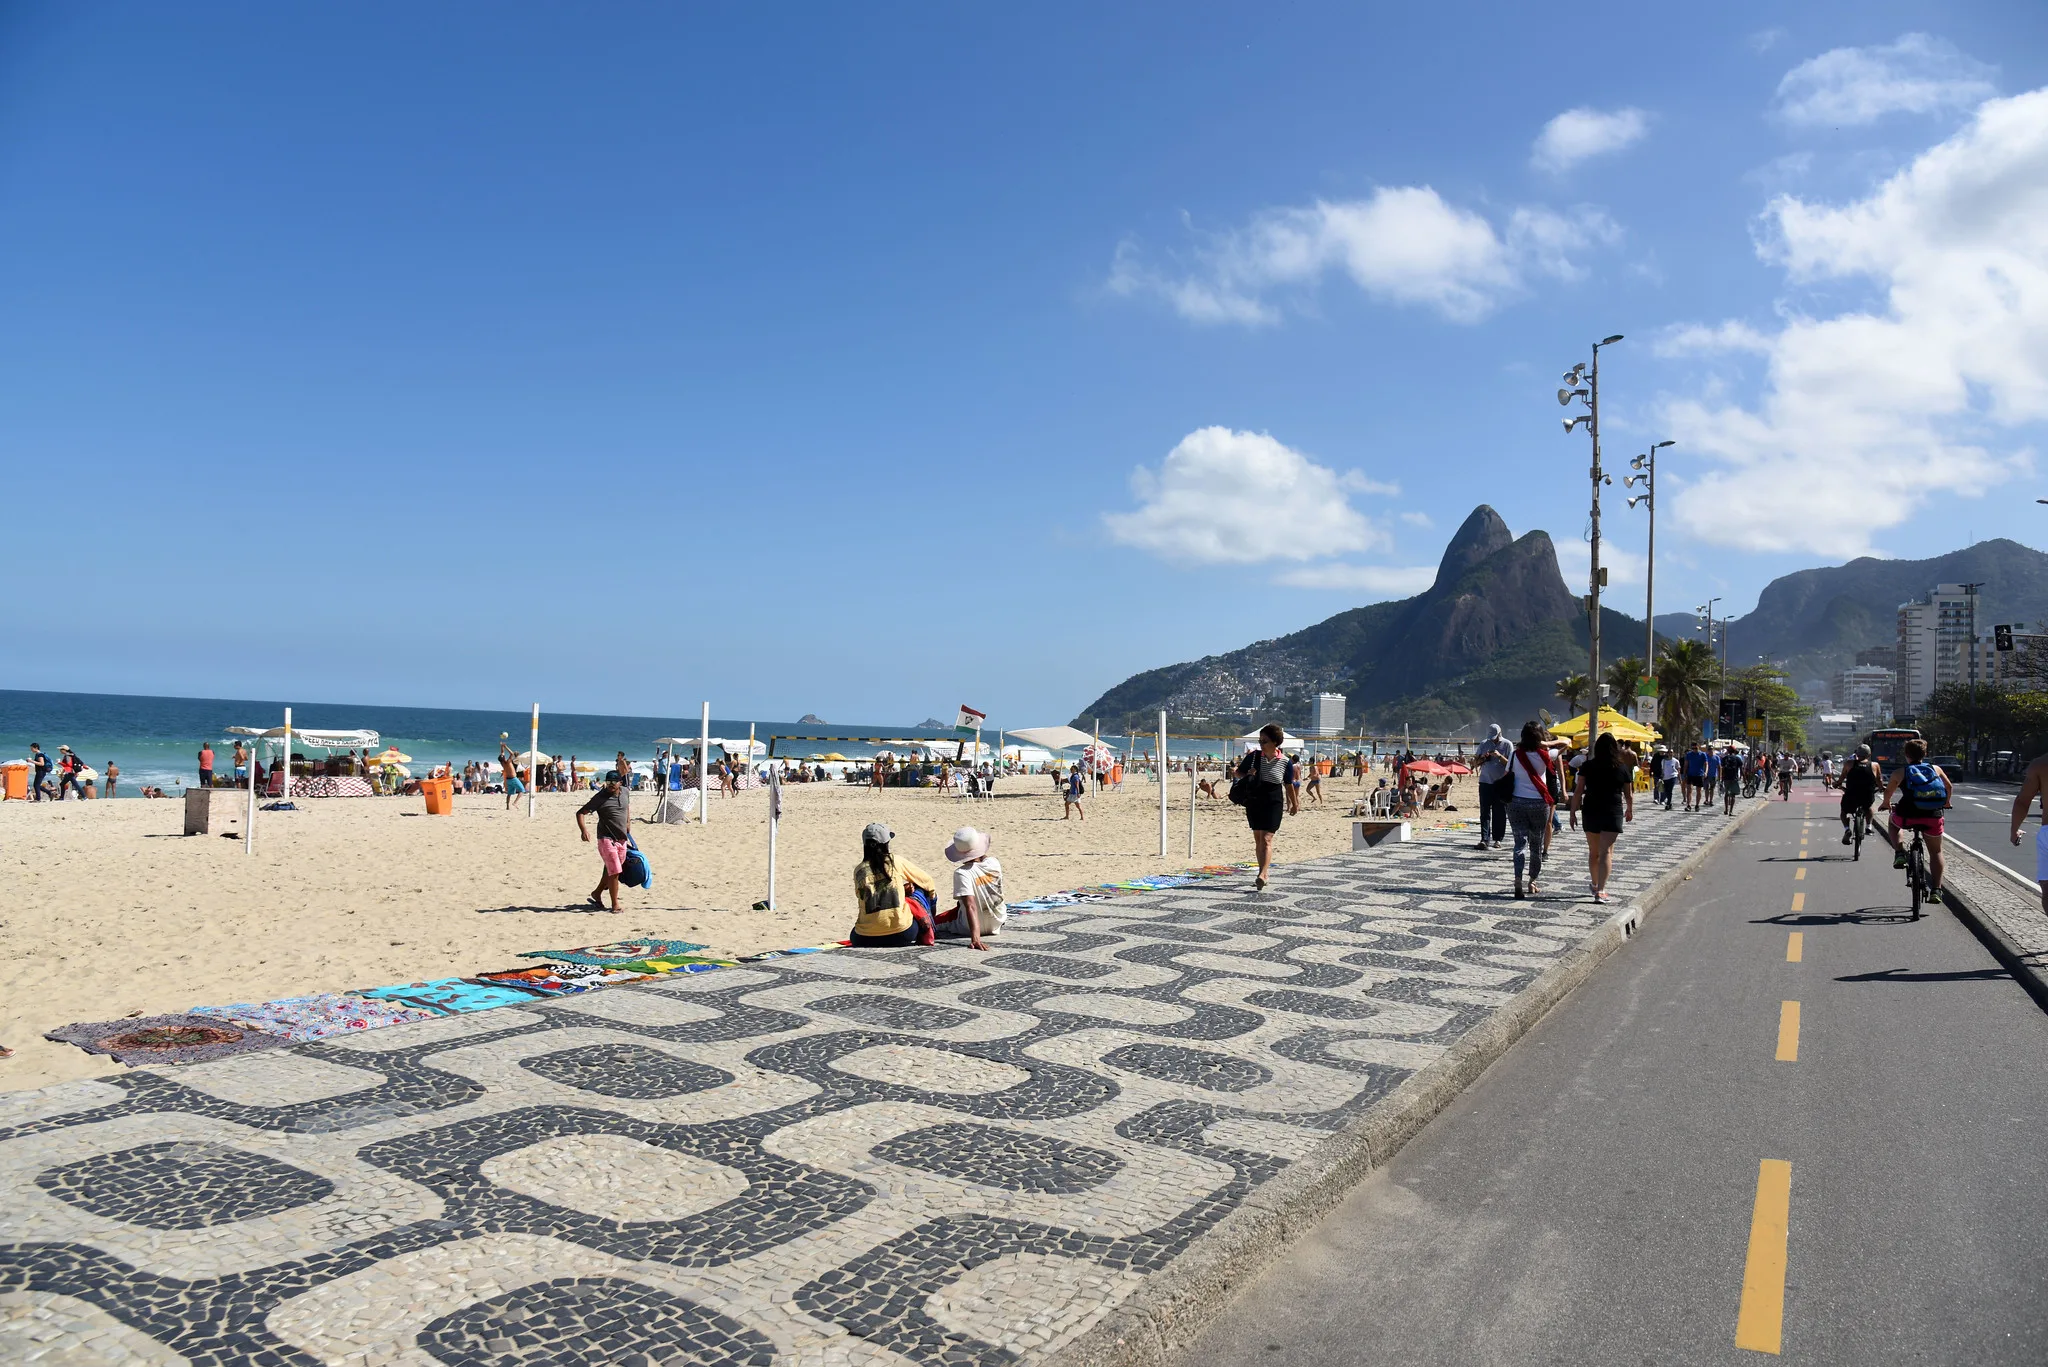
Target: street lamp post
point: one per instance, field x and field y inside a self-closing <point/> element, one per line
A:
<point x="1970" y="754"/>
<point x="1708" y="609"/>
<point x="1647" y="464"/>
<point x="1590" y="396"/>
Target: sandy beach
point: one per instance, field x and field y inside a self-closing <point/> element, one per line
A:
<point x="114" y="912"/>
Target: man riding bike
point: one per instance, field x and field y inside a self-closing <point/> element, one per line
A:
<point x="1785" y="769"/>
<point x="1923" y="794"/>
<point x="1861" y="778"/>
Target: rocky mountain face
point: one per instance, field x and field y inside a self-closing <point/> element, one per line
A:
<point x="1488" y="640"/>
<point x="1816" y="620"/>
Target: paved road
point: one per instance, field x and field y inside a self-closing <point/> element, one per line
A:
<point x="1595" y="1197"/>
<point x="1981" y="818"/>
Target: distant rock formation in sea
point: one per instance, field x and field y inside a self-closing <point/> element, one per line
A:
<point x="932" y="724"/>
<point x="811" y="719"/>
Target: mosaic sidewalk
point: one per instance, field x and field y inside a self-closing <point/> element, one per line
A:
<point x="926" y="1156"/>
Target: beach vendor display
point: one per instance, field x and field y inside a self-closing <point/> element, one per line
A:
<point x="894" y="897"/>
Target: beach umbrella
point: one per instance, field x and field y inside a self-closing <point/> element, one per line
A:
<point x="391" y="756"/>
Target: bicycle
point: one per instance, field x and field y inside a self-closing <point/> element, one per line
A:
<point x="1859" y="826"/>
<point x="1916" y="871"/>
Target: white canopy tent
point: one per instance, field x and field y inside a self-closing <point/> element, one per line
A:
<point x="1287" y="742"/>
<point x="318" y="740"/>
<point x="1052" y="737"/>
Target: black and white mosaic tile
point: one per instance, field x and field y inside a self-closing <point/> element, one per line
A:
<point x="927" y="1156"/>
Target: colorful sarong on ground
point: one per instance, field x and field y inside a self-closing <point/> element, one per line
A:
<point x="618" y="952"/>
<point x="453" y="996"/>
<point x="165" y="1039"/>
<point x="319" y="1016"/>
<point x="550" y="983"/>
<point x="681" y="963"/>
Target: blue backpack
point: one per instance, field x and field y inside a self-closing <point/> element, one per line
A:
<point x="1926" y="787"/>
<point x="637" y="873"/>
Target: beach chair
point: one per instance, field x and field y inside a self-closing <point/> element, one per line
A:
<point x="274" y="785"/>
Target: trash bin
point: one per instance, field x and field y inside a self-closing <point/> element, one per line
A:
<point x="440" y="795"/>
<point x="15" y="773"/>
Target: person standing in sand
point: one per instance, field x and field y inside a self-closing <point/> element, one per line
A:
<point x="205" y="765"/>
<point x="41" y="777"/>
<point x="1077" y="786"/>
<point x="1270" y="774"/>
<point x="113" y="776"/>
<point x="614" y="836"/>
<point x="510" y="766"/>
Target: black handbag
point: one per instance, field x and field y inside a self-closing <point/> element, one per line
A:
<point x="1241" y="786"/>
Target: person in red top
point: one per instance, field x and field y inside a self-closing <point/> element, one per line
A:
<point x="205" y="765"/>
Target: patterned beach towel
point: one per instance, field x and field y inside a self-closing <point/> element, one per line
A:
<point x="165" y="1039"/>
<point x="319" y="1016"/>
<point x="453" y="996"/>
<point x="549" y="983"/>
<point x="681" y="963"/>
<point x="618" y="952"/>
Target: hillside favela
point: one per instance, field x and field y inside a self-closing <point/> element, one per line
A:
<point x="1120" y="686"/>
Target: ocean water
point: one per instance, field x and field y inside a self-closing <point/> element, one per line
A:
<point x="156" y="740"/>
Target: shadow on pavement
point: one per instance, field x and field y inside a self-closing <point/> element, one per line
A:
<point x="1862" y="916"/>
<point x="1900" y="975"/>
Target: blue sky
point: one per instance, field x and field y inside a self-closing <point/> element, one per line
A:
<point x="868" y="361"/>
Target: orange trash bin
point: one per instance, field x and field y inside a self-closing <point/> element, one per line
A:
<point x="16" y="773"/>
<point x="440" y="795"/>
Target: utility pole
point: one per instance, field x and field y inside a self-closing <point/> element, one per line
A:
<point x="1647" y="464"/>
<point x="1591" y="396"/>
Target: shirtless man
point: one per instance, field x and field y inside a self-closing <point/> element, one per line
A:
<point x="2034" y="785"/>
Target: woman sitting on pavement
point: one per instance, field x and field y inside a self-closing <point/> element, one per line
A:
<point x="978" y="907"/>
<point x="894" y="896"/>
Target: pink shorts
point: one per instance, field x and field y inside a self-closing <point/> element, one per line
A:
<point x="1930" y="825"/>
<point x="613" y="853"/>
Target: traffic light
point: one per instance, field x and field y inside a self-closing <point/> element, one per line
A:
<point x="2002" y="636"/>
<point x="1734" y="712"/>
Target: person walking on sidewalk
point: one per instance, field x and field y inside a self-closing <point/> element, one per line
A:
<point x="1696" y="761"/>
<point x="1492" y="759"/>
<point x="1605" y="795"/>
<point x="2033" y="788"/>
<point x="1731" y="779"/>
<point x="1270" y="788"/>
<point x="1532" y="772"/>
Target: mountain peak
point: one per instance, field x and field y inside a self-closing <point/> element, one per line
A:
<point x="1482" y="534"/>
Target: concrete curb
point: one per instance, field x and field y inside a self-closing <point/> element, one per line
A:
<point x="1165" y="1314"/>
<point x="2025" y="965"/>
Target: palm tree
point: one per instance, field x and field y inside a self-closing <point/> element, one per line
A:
<point x="1570" y="689"/>
<point x="1686" y="674"/>
<point x="1624" y="679"/>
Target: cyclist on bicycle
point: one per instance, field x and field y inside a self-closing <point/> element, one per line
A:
<point x="1785" y="767"/>
<point x="1860" y="780"/>
<point x="1923" y="794"/>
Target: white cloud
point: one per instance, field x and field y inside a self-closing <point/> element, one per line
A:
<point x="1869" y="412"/>
<point x="1847" y="86"/>
<point x="1403" y="245"/>
<point x="1624" y="566"/>
<point x="1386" y="581"/>
<point x="1224" y="497"/>
<point x="1417" y="519"/>
<point x="1697" y="339"/>
<point x="1577" y="134"/>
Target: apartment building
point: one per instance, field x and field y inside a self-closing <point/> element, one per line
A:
<point x="1866" y="690"/>
<point x="1326" y="715"/>
<point x="1933" y="641"/>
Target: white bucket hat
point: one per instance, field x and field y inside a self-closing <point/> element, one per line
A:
<point x="968" y="843"/>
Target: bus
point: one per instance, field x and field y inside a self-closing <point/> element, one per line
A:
<point x="1886" y="742"/>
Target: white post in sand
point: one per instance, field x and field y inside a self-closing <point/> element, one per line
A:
<point x="703" y="764"/>
<point x="1194" y="778"/>
<point x="750" y="748"/>
<point x="774" y="820"/>
<point x="249" y="772"/>
<point x="286" y="795"/>
<point x="533" y="759"/>
<point x="1162" y="783"/>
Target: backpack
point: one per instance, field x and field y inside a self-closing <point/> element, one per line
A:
<point x="1925" y="786"/>
<point x="637" y="873"/>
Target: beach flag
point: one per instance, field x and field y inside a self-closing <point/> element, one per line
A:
<point x="970" y="721"/>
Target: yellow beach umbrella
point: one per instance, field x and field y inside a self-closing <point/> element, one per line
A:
<point x="391" y="756"/>
<point x="1623" y="728"/>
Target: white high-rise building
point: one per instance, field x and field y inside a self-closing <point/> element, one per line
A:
<point x="1934" y="637"/>
<point x="1326" y="715"/>
<point x="1865" y="690"/>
